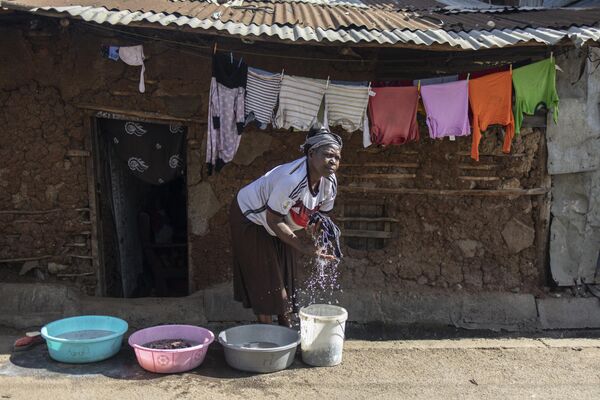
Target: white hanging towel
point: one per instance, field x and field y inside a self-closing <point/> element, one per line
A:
<point x="134" y="55"/>
<point x="299" y="102"/>
<point x="346" y="104"/>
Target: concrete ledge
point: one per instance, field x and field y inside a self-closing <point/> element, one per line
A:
<point x="30" y="305"/>
<point x="569" y="313"/>
<point x="498" y="311"/>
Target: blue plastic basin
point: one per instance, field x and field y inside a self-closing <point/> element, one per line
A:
<point x="84" y="339"/>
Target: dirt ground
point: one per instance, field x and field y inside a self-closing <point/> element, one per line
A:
<point x="548" y="367"/>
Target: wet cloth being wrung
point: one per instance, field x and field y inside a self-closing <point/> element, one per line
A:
<point x="329" y="235"/>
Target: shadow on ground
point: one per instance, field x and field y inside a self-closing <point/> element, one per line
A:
<point x="36" y="362"/>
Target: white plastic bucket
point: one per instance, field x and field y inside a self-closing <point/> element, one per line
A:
<point x="322" y="328"/>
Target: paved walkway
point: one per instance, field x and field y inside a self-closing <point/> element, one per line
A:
<point x="516" y="368"/>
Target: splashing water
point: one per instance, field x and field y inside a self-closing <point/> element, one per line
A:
<point x="322" y="285"/>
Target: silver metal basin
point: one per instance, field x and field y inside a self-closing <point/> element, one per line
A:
<point x="259" y="348"/>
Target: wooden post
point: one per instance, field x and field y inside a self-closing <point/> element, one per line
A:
<point x="542" y="228"/>
<point x="91" y="147"/>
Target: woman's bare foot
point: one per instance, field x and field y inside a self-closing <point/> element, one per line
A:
<point x="264" y="319"/>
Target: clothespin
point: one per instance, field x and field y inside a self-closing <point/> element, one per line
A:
<point x="468" y="76"/>
<point x="551" y="55"/>
<point x="282" y="72"/>
<point x="215" y="48"/>
<point x="327" y="84"/>
<point x="511" y="68"/>
<point x="419" y="85"/>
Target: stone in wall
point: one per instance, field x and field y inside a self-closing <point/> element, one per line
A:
<point x="468" y="247"/>
<point x="518" y="236"/>
<point x="203" y="205"/>
<point x="252" y="146"/>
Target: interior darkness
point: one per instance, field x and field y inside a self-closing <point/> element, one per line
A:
<point x="144" y="230"/>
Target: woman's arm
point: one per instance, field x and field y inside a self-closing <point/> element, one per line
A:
<point x="283" y="232"/>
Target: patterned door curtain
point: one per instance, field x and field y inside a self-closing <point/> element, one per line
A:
<point x="152" y="152"/>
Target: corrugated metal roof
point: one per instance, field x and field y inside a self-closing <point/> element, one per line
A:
<point x="299" y="21"/>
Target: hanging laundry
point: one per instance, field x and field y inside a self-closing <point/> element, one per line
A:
<point x="329" y="236"/>
<point x="491" y="103"/>
<point x="393" y="115"/>
<point x="152" y="152"/>
<point x="447" y="108"/>
<point x="134" y="55"/>
<point x="396" y="83"/>
<point x="535" y="84"/>
<point x="299" y="102"/>
<point x="262" y="90"/>
<point x="225" y="110"/>
<point x="366" y="132"/>
<point x="110" y="52"/>
<point x="346" y="104"/>
<point x="435" y="81"/>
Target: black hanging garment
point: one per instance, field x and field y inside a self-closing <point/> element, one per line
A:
<point x="225" y="110"/>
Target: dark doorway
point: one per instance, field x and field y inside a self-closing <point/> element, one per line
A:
<point x="142" y="201"/>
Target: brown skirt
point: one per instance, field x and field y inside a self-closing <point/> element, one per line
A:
<point x="264" y="268"/>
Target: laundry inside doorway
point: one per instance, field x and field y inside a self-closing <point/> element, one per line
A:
<point x="142" y="207"/>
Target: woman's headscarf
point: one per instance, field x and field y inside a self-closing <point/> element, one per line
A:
<point x="319" y="138"/>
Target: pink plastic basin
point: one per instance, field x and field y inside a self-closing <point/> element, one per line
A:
<point x="171" y="361"/>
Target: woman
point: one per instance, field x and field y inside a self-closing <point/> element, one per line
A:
<point x="263" y="221"/>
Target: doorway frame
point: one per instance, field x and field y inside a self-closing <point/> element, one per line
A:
<point x="91" y="152"/>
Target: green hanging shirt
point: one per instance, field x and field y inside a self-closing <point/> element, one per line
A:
<point x="534" y="84"/>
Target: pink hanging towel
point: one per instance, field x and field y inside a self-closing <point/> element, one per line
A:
<point x="447" y="108"/>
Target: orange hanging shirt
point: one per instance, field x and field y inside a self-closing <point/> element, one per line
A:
<point x="491" y="103"/>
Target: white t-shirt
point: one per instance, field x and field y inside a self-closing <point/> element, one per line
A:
<point x="285" y="191"/>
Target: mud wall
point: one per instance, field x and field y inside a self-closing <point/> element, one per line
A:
<point x="455" y="241"/>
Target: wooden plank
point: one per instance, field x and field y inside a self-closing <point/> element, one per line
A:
<point x="483" y="167"/>
<point x="78" y="153"/>
<point x="366" y="234"/>
<point x="139" y="114"/>
<point x="468" y="153"/>
<point x="91" y="146"/>
<point x="10" y="260"/>
<point x="542" y="226"/>
<point x="366" y="219"/>
<point x="447" y="192"/>
<point x="193" y="133"/>
<point x="80" y="256"/>
<point x="74" y="275"/>
<point x="379" y="176"/>
<point x="537" y="120"/>
<point x="26" y="212"/>
<point x="383" y="164"/>
<point x="479" y="178"/>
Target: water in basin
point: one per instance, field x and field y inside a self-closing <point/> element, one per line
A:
<point x="85" y="334"/>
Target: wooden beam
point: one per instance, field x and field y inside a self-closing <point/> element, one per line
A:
<point x="37" y="212"/>
<point x="379" y="176"/>
<point x="150" y="115"/>
<point x="9" y="260"/>
<point x="383" y="164"/>
<point x="483" y="167"/>
<point x="479" y="178"/>
<point x="366" y="219"/>
<point x="468" y="153"/>
<point x="366" y="234"/>
<point x="446" y="192"/>
<point x="77" y="153"/>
